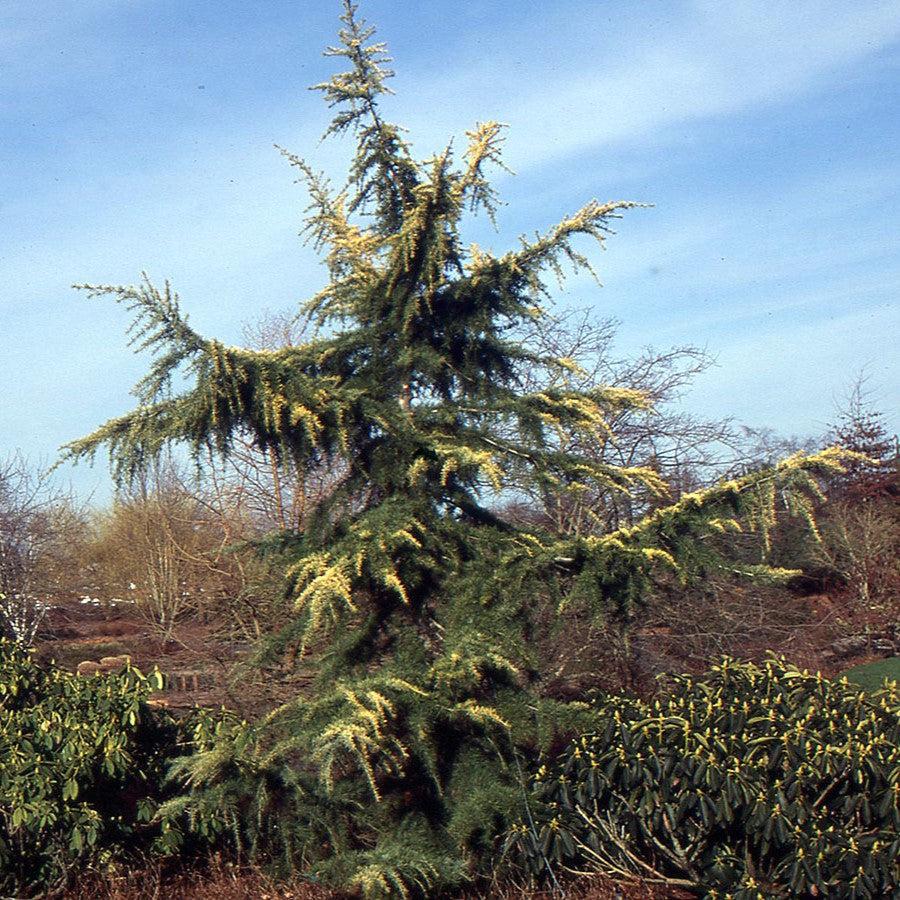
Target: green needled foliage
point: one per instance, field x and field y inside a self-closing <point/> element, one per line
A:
<point x="419" y="604"/>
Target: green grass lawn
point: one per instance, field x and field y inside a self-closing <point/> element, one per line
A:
<point x="871" y="675"/>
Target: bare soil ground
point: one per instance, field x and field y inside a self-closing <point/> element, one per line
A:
<point x="199" y="663"/>
<point x="75" y="632"/>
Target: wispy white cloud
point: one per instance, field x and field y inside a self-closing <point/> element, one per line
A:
<point x="31" y="20"/>
<point x="709" y="59"/>
<point x="817" y="230"/>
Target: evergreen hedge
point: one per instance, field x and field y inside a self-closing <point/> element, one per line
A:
<point x="748" y="782"/>
<point x="82" y="762"/>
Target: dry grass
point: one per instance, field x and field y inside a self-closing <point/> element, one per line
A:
<point x="218" y="880"/>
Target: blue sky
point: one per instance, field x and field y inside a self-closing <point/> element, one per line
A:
<point x="137" y="135"/>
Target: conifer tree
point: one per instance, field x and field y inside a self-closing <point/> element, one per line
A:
<point x="416" y="601"/>
<point x="861" y="428"/>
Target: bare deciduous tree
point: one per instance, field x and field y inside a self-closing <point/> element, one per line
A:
<point x="39" y="526"/>
<point x="158" y="546"/>
<point x="861" y="543"/>
<point x="683" y="449"/>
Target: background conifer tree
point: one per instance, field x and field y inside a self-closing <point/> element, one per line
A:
<point x="417" y="603"/>
<point x="860" y="427"/>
